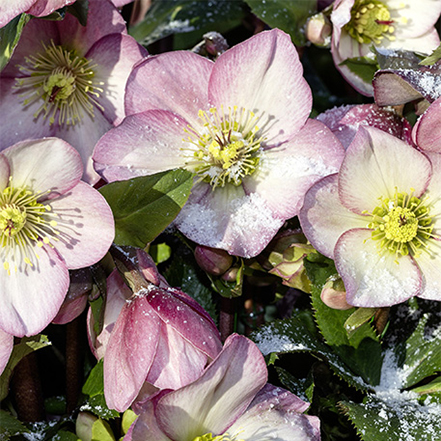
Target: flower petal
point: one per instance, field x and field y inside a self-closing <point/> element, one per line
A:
<point x="4" y="172"/>
<point x="142" y="144"/>
<point x="86" y="226"/>
<point x="32" y="296"/>
<point x="374" y="166"/>
<point x="41" y="8"/>
<point x="323" y="217"/>
<point x="130" y="352"/>
<point x="9" y="10"/>
<point x="284" y="175"/>
<point x="264" y="75"/>
<point x="218" y="397"/>
<point x="427" y="131"/>
<point x="174" y="81"/>
<point x="372" y="279"/>
<point x="44" y="164"/>
<point x="145" y="427"/>
<point x="6" y="346"/>
<point x="275" y="414"/>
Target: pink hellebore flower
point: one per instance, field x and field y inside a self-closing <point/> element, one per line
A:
<point x="9" y="9"/>
<point x="379" y="218"/>
<point x="50" y="222"/>
<point x="240" y="124"/>
<point x="68" y="81"/>
<point x="156" y="338"/>
<point x="396" y="24"/>
<point x="6" y="346"/>
<point x="427" y="130"/>
<point x="229" y="402"/>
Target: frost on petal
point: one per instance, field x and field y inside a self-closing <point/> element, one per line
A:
<point x="229" y="219"/>
<point x="6" y="346"/>
<point x="374" y="277"/>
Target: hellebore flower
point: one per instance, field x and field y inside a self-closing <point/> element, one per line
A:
<point x="345" y="120"/>
<point x="6" y="346"/>
<point x="240" y="124"/>
<point x="379" y="219"/>
<point x="426" y="132"/>
<point x="360" y="24"/>
<point x="50" y="222"/>
<point x="157" y="337"/>
<point x="67" y="80"/>
<point x="229" y="402"/>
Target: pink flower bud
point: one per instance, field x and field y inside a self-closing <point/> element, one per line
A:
<point x="334" y="294"/>
<point x="213" y="260"/>
<point x="319" y="30"/>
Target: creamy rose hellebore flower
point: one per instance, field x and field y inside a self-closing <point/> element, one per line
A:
<point x="229" y="402"/>
<point x="67" y="80"/>
<point x="240" y="124"/>
<point x="50" y="222"/>
<point x="155" y="338"/>
<point x="379" y="218"/>
<point x="397" y="24"/>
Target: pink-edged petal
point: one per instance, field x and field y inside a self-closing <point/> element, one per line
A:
<point x="9" y="10"/>
<point x="263" y="75"/>
<point x="113" y="70"/>
<point x="130" y="353"/>
<point x="218" y="397"/>
<point x="427" y="131"/>
<point x="377" y="165"/>
<point x="86" y="226"/>
<point x="373" y="278"/>
<point x="284" y="175"/>
<point x="429" y="264"/>
<point x="196" y="329"/>
<point x="142" y="144"/>
<point x="6" y="346"/>
<point x="177" y="361"/>
<point x="44" y="164"/>
<point x="323" y="217"/>
<point x="228" y="219"/>
<point x="275" y="413"/>
<point x="146" y="428"/>
<point x="102" y="19"/>
<point x="41" y="8"/>
<point x="4" y="172"/>
<point x="174" y="81"/>
<point x="423" y="43"/>
<point x="31" y="296"/>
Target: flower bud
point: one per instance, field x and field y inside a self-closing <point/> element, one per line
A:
<point x="213" y="260"/>
<point x="84" y="425"/>
<point x="231" y="274"/>
<point x="318" y="30"/>
<point x="334" y="294"/>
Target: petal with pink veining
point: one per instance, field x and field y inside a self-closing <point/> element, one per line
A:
<point x="6" y="346"/>
<point x="427" y="131"/>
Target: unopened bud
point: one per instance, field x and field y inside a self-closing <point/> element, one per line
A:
<point x="213" y="260"/>
<point x="334" y="294"/>
<point x="318" y="30"/>
<point x="84" y="425"/>
<point x="231" y="275"/>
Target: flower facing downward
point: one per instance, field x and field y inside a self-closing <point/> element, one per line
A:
<point x="380" y="224"/>
<point x="48" y="224"/>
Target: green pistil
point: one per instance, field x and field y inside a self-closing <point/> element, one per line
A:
<point x="63" y="82"/>
<point x="370" y="22"/>
<point x="24" y="223"/>
<point x="227" y="150"/>
<point x="402" y="225"/>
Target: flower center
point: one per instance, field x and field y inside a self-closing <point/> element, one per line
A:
<point x="402" y="224"/>
<point x="226" y="150"/>
<point x="63" y="82"/>
<point x="210" y="437"/>
<point x="24" y="223"/>
<point x="370" y="21"/>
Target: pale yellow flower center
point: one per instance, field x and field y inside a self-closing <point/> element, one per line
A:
<point x="210" y="437"/>
<point x="24" y="224"/>
<point x="63" y="82"/>
<point x="226" y="149"/>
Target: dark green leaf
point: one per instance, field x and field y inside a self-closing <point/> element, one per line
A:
<point x="363" y="67"/>
<point x="288" y="15"/>
<point x="9" y="426"/>
<point x="9" y="36"/>
<point x="302" y="387"/>
<point x="143" y="207"/>
<point x="187" y="16"/>
<point x="64" y="435"/>
<point x="97" y="405"/>
<point x="94" y="384"/>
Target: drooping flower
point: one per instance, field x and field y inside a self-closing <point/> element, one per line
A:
<point x="240" y="124"/>
<point x="50" y="222"/>
<point x="67" y="80"/>
<point x="379" y="218"/>
<point x="155" y="338"/>
<point x="229" y="402"/>
<point x="360" y="24"/>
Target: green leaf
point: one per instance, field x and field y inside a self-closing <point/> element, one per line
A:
<point x="9" y="37"/>
<point x="64" y="435"/>
<point x="160" y="252"/>
<point x="184" y="16"/>
<point x="363" y="67"/>
<point x="302" y="387"/>
<point x="101" y="431"/>
<point x="288" y="15"/>
<point x="432" y="58"/>
<point x="9" y="426"/>
<point x="429" y="388"/>
<point x="393" y="418"/>
<point x="358" y="318"/>
<point x="94" y="384"/>
<point x="98" y="406"/>
<point x="144" y="206"/>
<point x="25" y="347"/>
